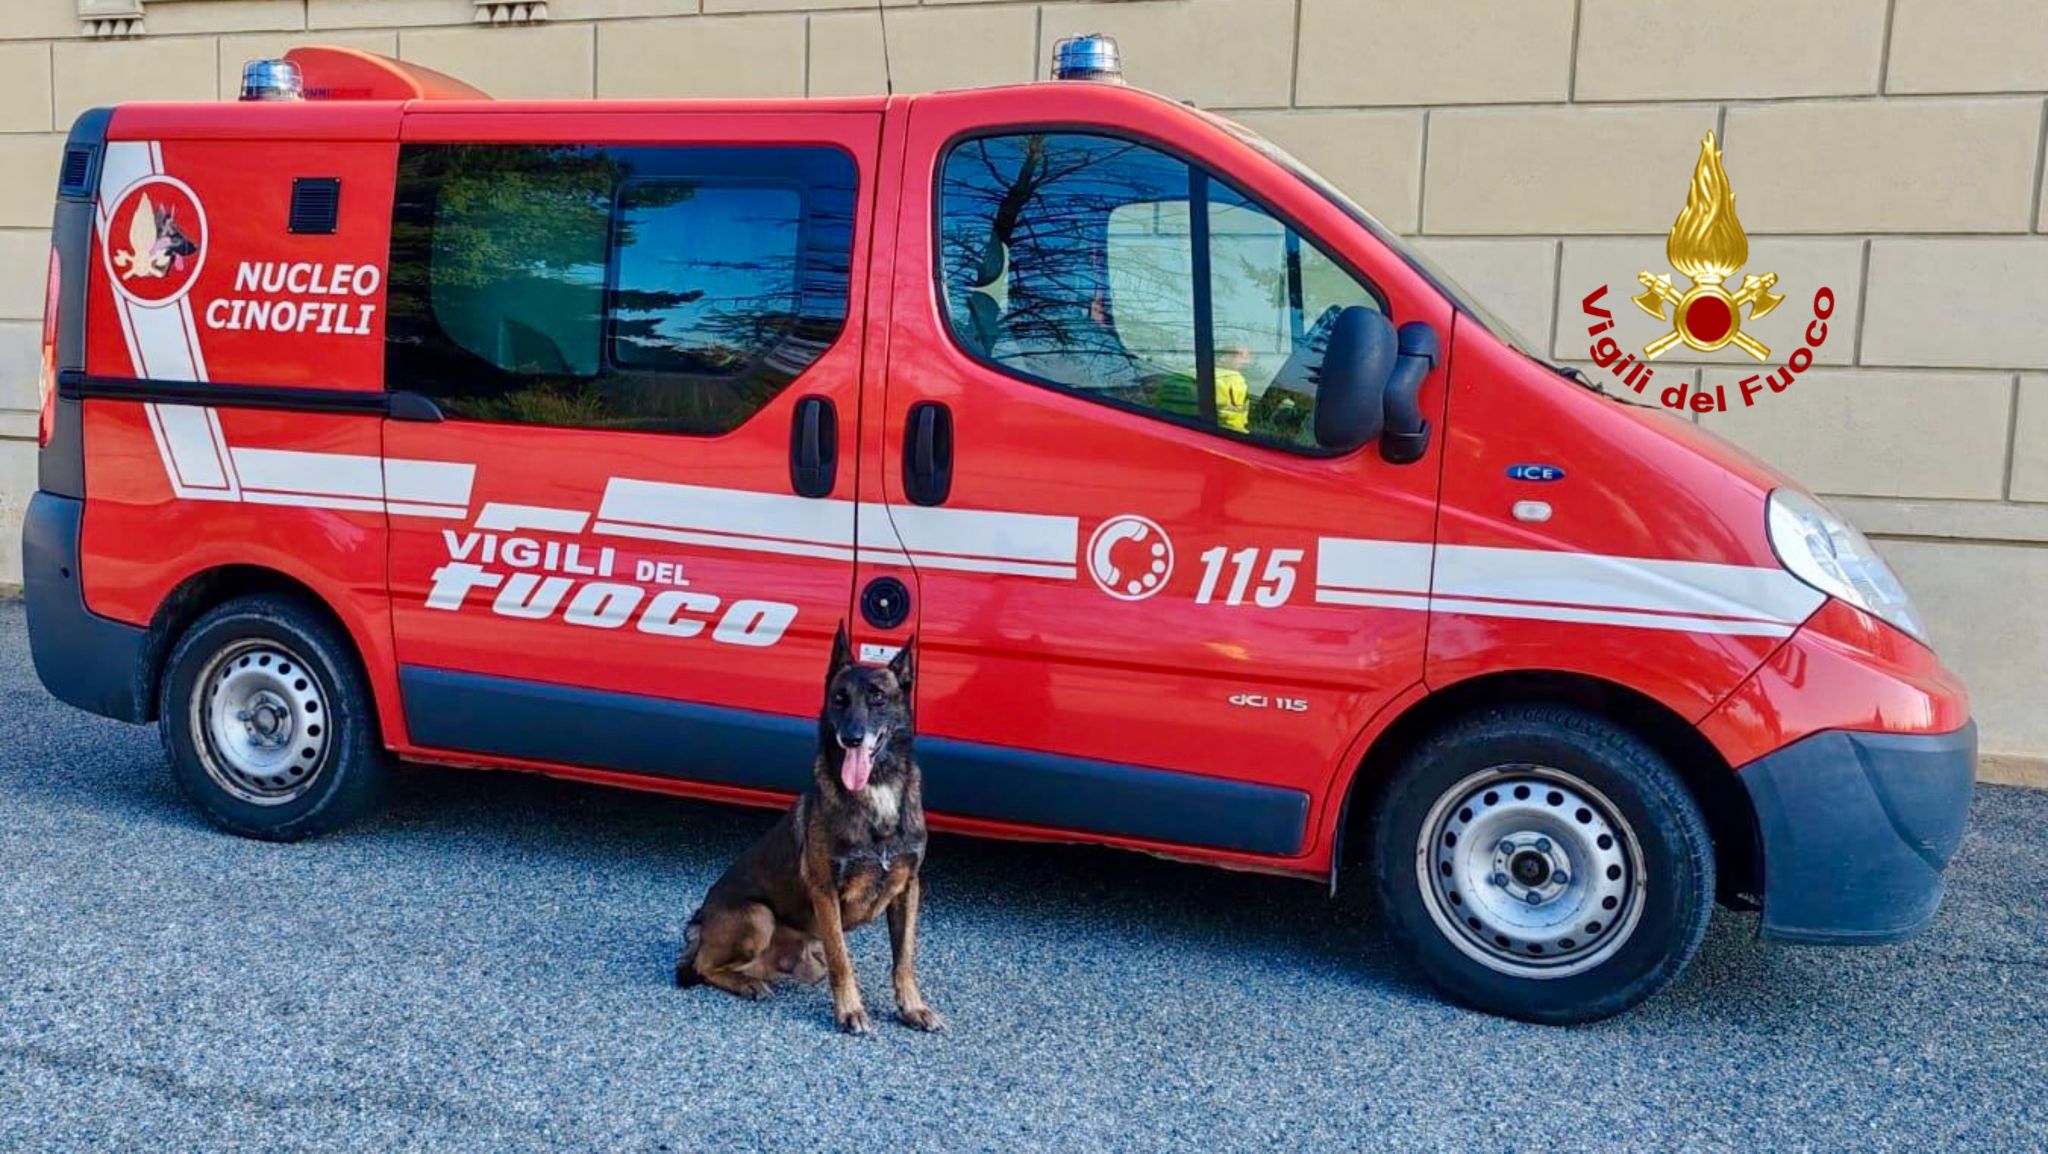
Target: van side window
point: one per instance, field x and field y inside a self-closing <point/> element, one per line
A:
<point x="672" y="290"/>
<point x="1119" y="273"/>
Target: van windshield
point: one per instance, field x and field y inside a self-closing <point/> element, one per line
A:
<point x="1430" y="270"/>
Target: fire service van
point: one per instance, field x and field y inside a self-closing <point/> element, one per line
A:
<point x="383" y="421"/>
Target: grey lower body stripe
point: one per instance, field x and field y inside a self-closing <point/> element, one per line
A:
<point x="658" y="737"/>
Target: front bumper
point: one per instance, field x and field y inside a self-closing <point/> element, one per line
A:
<point x="1856" y="829"/>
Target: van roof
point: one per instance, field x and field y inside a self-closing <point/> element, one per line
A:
<point x="350" y="74"/>
<point x="357" y="95"/>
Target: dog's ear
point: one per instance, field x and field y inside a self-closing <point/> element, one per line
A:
<point x="842" y="653"/>
<point x="904" y="664"/>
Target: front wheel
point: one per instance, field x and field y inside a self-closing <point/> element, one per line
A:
<point x="267" y="721"/>
<point x="1544" y="864"/>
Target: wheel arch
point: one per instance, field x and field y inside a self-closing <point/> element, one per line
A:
<point x="201" y="591"/>
<point x="1712" y="782"/>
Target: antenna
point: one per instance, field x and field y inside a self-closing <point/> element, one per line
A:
<point x="888" y="76"/>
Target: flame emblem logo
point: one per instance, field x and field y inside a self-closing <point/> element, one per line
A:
<point x="1707" y="244"/>
<point x="154" y="237"/>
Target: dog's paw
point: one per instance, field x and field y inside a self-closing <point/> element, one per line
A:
<point x="755" y="991"/>
<point x="855" y="1022"/>
<point x="922" y="1018"/>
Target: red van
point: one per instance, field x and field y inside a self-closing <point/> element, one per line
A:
<point x="383" y="421"/>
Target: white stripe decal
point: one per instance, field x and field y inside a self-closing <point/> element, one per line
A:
<point x="195" y="460"/>
<point x="725" y="541"/>
<point x="1588" y="616"/>
<point x="428" y="482"/>
<point x="968" y="564"/>
<point x="162" y="339"/>
<point x="406" y="509"/>
<point x="220" y="449"/>
<point x="726" y="512"/>
<point x="1553" y="585"/>
<point x="1372" y="600"/>
<point x="122" y="164"/>
<point x="983" y="533"/>
<point x="508" y="518"/>
<point x="1349" y="563"/>
<point x="1626" y="583"/>
<point x="192" y="338"/>
<point x="962" y="540"/>
<point x="312" y="474"/>
<point x="313" y="501"/>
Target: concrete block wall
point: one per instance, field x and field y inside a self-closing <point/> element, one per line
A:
<point x="1889" y="149"/>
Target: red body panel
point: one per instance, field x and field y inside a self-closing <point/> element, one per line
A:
<point x="1650" y="567"/>
<point x="1637" y="484"/>
<point x="1845" y="670"/>
<point x="140" y="542"/>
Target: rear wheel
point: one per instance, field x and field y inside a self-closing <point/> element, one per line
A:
<point x="1544" y="864"/>
<point x="267" y="721"/>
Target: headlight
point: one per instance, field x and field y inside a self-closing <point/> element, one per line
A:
<point x="1828" y="553"/>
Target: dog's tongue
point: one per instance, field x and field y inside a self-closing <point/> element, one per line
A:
<point x="855" y="767"/>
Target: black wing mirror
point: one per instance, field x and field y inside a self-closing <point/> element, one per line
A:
<point x="1370" y="383"/>
<point x="1351" y="391"/>
<point x="1405" y="437"/>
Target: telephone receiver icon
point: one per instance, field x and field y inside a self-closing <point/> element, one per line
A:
<point x="1106" y="543"/>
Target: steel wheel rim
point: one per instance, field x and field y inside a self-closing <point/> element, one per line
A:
<point x="1530" y="871"/>
<point x="261" y="722"/>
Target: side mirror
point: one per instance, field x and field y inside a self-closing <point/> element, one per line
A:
<point x="1406" y="436"/>
<point x="1351" y="391"/>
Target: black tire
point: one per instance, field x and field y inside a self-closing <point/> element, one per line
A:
<point x="311" y="760"/>
<point x="1625" y="793"/>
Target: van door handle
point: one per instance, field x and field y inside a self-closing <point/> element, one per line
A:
<point x="814" y="447"/>
<point x="928" y="454"/>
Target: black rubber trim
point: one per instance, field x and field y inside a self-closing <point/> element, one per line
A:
<point x="82" y="658"/>
<point x="88" y="137"/>
<point x="969" y="779"/>
<point x="60" y="466"/>
<point x="1856" y="829"/>
<point x="567" y="725"/>
<point x="406" y="406"/>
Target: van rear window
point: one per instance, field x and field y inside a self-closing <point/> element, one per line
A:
<point x="672" y="290"/>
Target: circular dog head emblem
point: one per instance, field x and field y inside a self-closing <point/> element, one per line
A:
<point x="1130" y="557"/>
<point x="155" y="240"/>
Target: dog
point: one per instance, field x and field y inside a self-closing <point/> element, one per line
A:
<point x="850" y="848"/>
<point x="157" y="245"/>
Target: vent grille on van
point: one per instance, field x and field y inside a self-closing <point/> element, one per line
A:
<point x="77" y="176"/>
<point x="316" y="204"/>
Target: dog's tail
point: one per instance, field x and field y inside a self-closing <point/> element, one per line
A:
<point x="686" y="964"/>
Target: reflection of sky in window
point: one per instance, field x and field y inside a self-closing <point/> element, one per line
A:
<point x="724" y="259"/>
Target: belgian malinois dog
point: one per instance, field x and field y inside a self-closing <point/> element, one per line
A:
<point x="849" y="848"/>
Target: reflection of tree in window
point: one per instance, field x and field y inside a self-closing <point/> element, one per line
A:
<point x="653" y="288"/>
<point x="1071" y="259"/>
<point x="1038" y="208"/>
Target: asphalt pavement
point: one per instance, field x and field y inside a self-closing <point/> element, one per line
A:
<point x="488" y="967"/>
